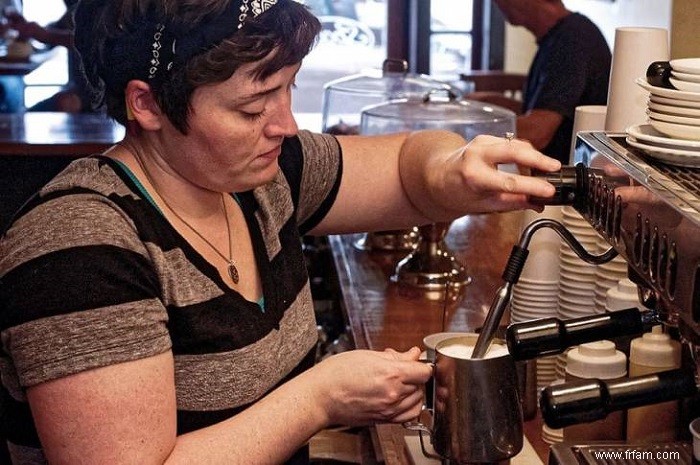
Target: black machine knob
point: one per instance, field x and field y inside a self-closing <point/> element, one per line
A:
<point x="593" y="399"/>
<point x="550" y="336"/>
<point x="569" y="183"/>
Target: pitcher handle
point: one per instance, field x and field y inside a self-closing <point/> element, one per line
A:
<point x="417" y="425"/>
<point x="430" y="455"/>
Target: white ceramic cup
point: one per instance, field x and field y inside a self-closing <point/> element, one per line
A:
<point x="543" y="259"/>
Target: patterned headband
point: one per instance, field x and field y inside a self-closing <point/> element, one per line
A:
<point x="254" y="7"/>
<point x="170" y="44"/>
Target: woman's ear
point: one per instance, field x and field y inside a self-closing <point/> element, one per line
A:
<point x="141" y="107"/>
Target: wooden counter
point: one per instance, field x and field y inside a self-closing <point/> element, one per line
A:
<point x="34" y="146"/>
<point x="380" y="315"/>
<point x="9" y="67"/>
<point x="48" y="133"/>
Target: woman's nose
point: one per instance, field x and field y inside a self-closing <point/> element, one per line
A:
<point x="282" y="123"/>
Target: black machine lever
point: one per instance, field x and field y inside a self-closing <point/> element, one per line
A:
<point x="550" y="336"/>
<point x="593" y="399"/>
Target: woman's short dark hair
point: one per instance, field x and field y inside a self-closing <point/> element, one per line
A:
<point x="289" y="29"/>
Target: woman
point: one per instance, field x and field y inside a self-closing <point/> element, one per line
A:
<point x="155" y="304"/>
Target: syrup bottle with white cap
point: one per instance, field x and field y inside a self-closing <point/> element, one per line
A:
<point x="652" y="353"/>
<point x="599" y="360"/>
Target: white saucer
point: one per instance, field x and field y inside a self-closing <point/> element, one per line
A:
<point x="674" y="102"/>
<point x="686" y="65"/>
<point x="646" y="133"/>
<point x="686" y="76"/>
<point x="682" y="131"/>
<point x="689" y="120"/>
<point x="669" y="93"/>
<point x="673" y="109"/>
<point x="685" y="85"/>
<point x="672" y="156"/>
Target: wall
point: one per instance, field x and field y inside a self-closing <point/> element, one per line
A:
<point x="685" y="40"/>
<point x="608" y="15"/>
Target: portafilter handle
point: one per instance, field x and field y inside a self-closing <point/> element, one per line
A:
<point x="589" y="400"/>
<point x="514" y="267"/>
<point x="550" y="336"/>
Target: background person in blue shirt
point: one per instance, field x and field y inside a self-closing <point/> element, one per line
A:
<point x="571" y="68"/>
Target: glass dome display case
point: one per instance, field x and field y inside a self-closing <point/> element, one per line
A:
<point x="343" y="102"/>
<point x="344" y="98"/>
<point x="430" y="266"/>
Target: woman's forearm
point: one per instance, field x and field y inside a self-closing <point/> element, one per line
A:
<point x="268" y="432"/>
<point x="424" y="156"/>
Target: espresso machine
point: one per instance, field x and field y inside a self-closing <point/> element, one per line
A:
<point x="649" y="212"/>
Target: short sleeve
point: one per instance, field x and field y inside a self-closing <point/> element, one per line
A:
<point x="312" y="165"/>
<point x="85" y="295"/>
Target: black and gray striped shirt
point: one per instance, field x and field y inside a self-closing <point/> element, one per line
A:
<point x="92" y="274"/>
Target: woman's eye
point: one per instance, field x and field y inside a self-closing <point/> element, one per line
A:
<point x="253" y="116"/>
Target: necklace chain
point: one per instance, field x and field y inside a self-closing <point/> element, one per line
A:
<point x="231" y="267"/>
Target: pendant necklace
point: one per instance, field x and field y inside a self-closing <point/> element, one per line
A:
<point x="231" y="266"/>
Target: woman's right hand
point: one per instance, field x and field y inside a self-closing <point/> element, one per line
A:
<point x="363" y="387"/>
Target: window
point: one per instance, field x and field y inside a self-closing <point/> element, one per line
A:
<point x="49" y="77"/>
<point x="437" y="37"/>
<point x="353" y="38"/>
<point x="446" y="37"/>
<point x="450" y="37"/>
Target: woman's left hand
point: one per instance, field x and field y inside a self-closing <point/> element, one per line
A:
<point x="468" y="180"/>
<point x="484" y="185"/>
<point x="393" y="181"/>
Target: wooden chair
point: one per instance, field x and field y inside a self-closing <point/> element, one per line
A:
<point x="510" y="84"/>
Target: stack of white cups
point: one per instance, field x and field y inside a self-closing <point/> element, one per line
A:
<point x="536" y="293"/>
<point x="586" y="118"/>
<point x="577" y="278"/>
<point x="577" y="283"/>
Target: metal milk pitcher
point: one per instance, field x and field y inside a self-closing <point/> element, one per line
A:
<point x="477" y="416"/>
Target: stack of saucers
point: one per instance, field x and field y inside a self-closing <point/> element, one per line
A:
<point x="673" y="103"/>
<point x="673" y="130"/>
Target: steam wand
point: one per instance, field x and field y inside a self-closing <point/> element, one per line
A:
<point x="514" y="267"/>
